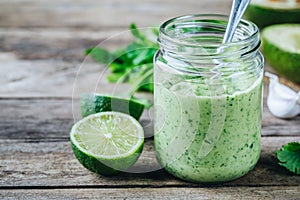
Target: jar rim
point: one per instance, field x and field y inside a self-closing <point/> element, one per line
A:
<point x="252" y="28"/>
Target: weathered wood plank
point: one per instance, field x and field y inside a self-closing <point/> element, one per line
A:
<point x="52" y="118"/>
<point x="265" y="193"/>
<point x="272" y="125"/>
<point x="60" y="43"/>
<point x="51" y="78"/>
<point x="53" y="164"/>
<point x="104" y="13"/>
<point x="43" y="118"/>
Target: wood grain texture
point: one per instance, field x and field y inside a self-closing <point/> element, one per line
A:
<point x="43" y="69"/>
<point x="52" y="78"/>
<point x="52" y="118"/>
<point x="100" y="14"/>
<point x="225" y="193"/>
<point x="59" y="43"/>
<point x="52" y="163"/>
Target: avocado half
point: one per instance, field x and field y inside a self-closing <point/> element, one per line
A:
<point x="281" y="49"/>
<point x="267" y="12"/>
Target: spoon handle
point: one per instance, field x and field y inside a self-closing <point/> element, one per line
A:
<point x="237" y="11"/>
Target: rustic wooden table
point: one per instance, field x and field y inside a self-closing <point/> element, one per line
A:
<point x="41" y="52"/>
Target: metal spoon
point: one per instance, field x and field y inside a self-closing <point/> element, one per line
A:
<point x="213" y="133"/>
<point x="237" y="10"/>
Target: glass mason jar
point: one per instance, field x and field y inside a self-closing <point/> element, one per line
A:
<point x="208" y="98"/>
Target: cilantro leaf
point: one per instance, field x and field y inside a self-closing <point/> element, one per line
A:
<point x="141" y="78"/>
<point x="99" y="54"/>
<point x="133" y="63"/>
<point x="114" y="77"/>
<point x="155" y="32"/>
<point x="140" y="36"/>
<point x="289" y="157"/>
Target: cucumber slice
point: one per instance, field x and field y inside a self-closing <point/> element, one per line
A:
<point x="268" y="12"/>
<point x="281" y="48"/>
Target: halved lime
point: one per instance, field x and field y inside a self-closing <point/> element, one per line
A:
<point x="268" y="12"/>
<point x="281" y="48"/>
<point x="107" y="142"/>
<point x="94" y="103"/>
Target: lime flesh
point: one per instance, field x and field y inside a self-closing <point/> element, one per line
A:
<point x="107" y="142"/>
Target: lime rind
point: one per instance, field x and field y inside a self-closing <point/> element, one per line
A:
<point x="94" y="103"/>
<point x="107" y="167"/>
<point x="107" y="164"/>
<point x="93" y="164"/>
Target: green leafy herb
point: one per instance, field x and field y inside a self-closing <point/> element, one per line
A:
<point x="289" y="157"/>
<point x="133" y="64"/>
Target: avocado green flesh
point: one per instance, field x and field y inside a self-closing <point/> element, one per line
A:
<point x="264" y="16"/>
<point x="286" y="62"/>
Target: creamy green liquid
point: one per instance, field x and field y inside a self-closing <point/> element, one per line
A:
<point x="202" y="138"/>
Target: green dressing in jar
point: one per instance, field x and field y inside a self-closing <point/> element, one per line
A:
<point x="208" y="99"/>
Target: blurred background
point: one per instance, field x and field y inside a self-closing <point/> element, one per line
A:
<point x="42" y="42"/>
